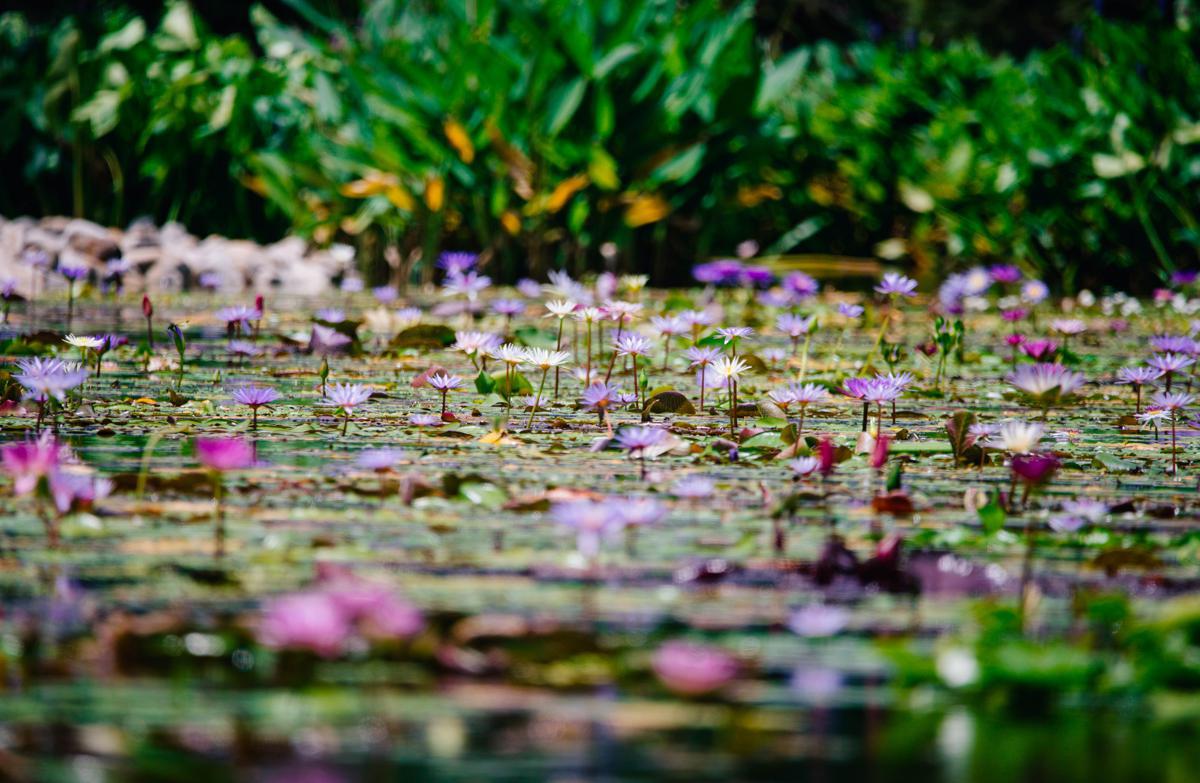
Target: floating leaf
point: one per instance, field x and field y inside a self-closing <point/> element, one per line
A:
<point x="957" y="427"/>
<point x="484" y="383"/>
<point x="991" y="514"/>
<point x="424" y="336"/>
<point x="668" y="402"/>
<point x="1114" y="464"/>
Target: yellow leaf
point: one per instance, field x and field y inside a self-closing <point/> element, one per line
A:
<point x="603" y="170"/>
<point x="645" y="209"/>
<point x="374" y="183"/>
<point x="510" y="222"/>
<point x="753" y="195"/>
<point x="400" y="198"/>
<point x="256" y="184"/>
<point x="145" y="401"/>
<point x="435" y="194"/>
<point x="563" y="192"/>
<point x="821" y="193"/>
<point x="457" y="135"/>
<point x="499" y="438"/>
<point x="520" y="168"/>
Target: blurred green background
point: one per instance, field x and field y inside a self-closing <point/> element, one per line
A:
<point x="637" y="135"/>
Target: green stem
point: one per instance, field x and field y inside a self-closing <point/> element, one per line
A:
<point x="804" y="357"/>
<point x="732" y="409"/>
<point x="557" y="347"/>
<point x="885" y="316"/>
<point x="537" y="399"/>
<point x="613" y="361"/>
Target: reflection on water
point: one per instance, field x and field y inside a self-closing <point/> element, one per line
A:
<point x="84" y="735"/>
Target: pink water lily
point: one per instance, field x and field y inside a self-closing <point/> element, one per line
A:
<point x="222" y="454"/>
<point x="692" y="669"/>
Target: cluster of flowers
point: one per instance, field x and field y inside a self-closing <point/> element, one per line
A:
<point x="330" y="619"/>
<point x="47" y="469"/>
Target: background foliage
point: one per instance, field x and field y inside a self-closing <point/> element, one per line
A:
<point x="538" y="131"/>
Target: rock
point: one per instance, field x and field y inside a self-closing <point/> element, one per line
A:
<point x="168" y="258"/>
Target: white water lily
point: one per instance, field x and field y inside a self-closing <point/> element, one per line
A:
<point x="84" y="341"/>
<point x="1018" y="437"/>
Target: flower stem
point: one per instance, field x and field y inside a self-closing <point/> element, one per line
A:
<point x="885" y="316"/>
<point x="588" y="379"/>
<point x="732" y="409"/>
<point x="538" y="398"/>
<point x="557" y="347"/>
<point x="613" y="361"/>
<point x="804" y="356"/>
<point x="636" y="389"/>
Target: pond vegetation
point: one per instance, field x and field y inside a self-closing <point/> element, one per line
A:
<point x="758" y="528"/>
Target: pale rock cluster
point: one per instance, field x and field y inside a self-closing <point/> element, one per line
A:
<point x="168" y="258"/>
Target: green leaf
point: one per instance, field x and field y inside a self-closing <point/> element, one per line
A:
<point x="956" y="428"/>
<point x="563" y="105"/>
<point x="606" y="114"/>
<point x="682" y="167"/>
<point x="102" y="112"/>
<point x="515" y="383"/>
<point x="534" y="337"/>
<point x="768" y="408"/>
<point x="484" y="383"/>
<point x="483" y="494"/>
<point x="920" y="447"/>
<point x="224" y="111"/>
<point x="328" y="104"/>
<point x="602" y="169"/>
<point x="668" y="402"/>
<point x="129" y="36"/>
<point x="1114" y="464"/>
<point x="763" y="440"/>
<point x="777" y="81"/>
<point x="894" y="475"/>
<point x="424" y="336"/>
<point x="615" y="57"/>
<point x="991" y="515"/>
<point x="803" y="230"/>
<point x="179" y="29"/>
